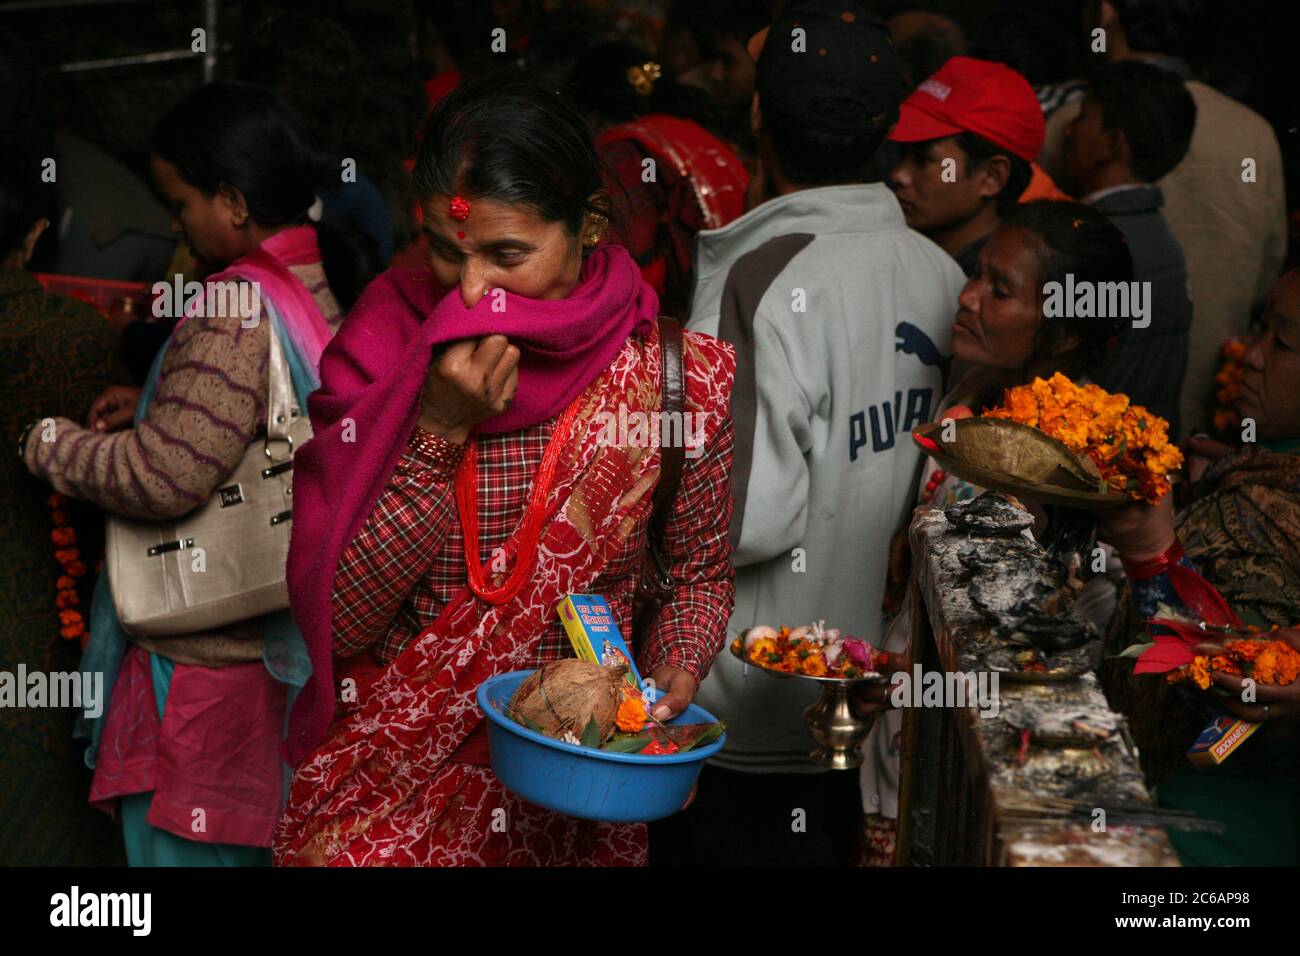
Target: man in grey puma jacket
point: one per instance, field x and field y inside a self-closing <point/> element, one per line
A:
<point x="840" y="316"/>
<point x="837" y="312"/>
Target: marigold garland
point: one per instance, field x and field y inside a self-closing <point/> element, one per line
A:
<point x="72" y="626"/>
<point x="1129" y="445"/>
<point x="1228" y="386"/>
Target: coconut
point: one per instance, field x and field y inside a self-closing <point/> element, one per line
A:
<point x="565" y="695"/>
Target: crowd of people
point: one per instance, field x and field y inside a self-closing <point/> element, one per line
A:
<point x="841" y="226"/>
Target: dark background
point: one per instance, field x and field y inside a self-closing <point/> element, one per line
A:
<point x="1247" y="48"/>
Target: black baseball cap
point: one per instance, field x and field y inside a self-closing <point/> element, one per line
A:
<point x="840" y="73"/>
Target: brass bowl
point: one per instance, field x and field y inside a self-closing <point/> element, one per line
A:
<point x="835" y="727"/>
<point x="1014" y="458"/>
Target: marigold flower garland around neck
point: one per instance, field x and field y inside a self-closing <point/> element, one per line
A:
<point x="72" y="626"/>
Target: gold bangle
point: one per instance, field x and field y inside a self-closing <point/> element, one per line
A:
<point x="438" y="451"/>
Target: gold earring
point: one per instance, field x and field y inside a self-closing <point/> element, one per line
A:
<point x="239" y="220"/>
<point x="592" y="240"/>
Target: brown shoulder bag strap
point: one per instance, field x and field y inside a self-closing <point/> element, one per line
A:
<point x="671" y="458"/>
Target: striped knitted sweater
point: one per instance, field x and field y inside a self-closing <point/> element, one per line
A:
<point x="210" y="404"/>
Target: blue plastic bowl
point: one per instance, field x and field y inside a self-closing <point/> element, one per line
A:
<point x="582" y="782"/>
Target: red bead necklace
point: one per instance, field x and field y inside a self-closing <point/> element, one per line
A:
<point x="529" y="529"/>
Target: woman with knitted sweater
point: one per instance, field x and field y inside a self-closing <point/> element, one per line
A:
<point x="190" y="741"/>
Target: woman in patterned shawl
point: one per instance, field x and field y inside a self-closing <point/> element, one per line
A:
<point x="1241" y="532"/>
<point x="461" y="482"/>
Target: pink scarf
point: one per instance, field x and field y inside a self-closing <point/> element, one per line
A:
<point x="267" y="265"/>
<point x="372" y="375"/>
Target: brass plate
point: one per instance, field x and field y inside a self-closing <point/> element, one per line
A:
<point x="871" y="677"/>
<point x="1007" y="456"/>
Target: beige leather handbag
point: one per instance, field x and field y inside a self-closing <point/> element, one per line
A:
<point x="224" y="561"/>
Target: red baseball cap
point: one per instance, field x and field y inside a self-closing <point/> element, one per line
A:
<point x="974" y="96"/>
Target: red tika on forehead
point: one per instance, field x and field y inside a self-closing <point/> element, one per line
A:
<point x="458" y="208"/>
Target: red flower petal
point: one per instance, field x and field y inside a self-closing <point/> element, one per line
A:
<point x="1163" y="657"/>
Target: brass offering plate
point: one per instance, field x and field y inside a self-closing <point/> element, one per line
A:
<point x="1016" y="459"/>
<point x="874" y="677"/>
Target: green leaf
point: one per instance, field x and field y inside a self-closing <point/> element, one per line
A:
<point x="707" y="737"/>
<point x="524" y="721"/>
<point x="590" y="734"/>
<point x="627" y="745"/>
<point x="1135" y="650"/>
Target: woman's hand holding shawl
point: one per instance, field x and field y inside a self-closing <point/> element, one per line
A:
<point x="469" y="381"/>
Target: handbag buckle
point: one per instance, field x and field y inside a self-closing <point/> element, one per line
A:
<point x="158" y="549"/>
<point x="266" y="446"/>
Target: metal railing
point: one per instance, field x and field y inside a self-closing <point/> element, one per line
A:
<point x="209" y="57"/>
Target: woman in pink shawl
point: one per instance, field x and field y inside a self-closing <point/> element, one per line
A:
<point x="466" y="473"/>
<point x="189" y="746"/>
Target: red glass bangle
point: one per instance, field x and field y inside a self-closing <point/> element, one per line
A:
<point x="1139" y="570"/>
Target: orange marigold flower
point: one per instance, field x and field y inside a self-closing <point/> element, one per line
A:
<point x="1245" y="650"/>
<point x="814" y="665"/>
<point x="72" y="631"/>
<point x="631" y="714"/>
<point x="1266" y="662"/>
<point x="1265" y="669"/>
<point x="65" y="582"/>
<point x="1200" y="672"/>
<point x="75" y="568"/>
<point x="66" y="599"/>
<point x="56" y="500"/>
<point x="1288" y="668"/>
<point x="1224" y="663"/>
<point x="63" y="537"/>
<point x="1124" y="440"/>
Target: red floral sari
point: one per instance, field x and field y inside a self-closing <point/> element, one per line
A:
<point x="388" y="786"/>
